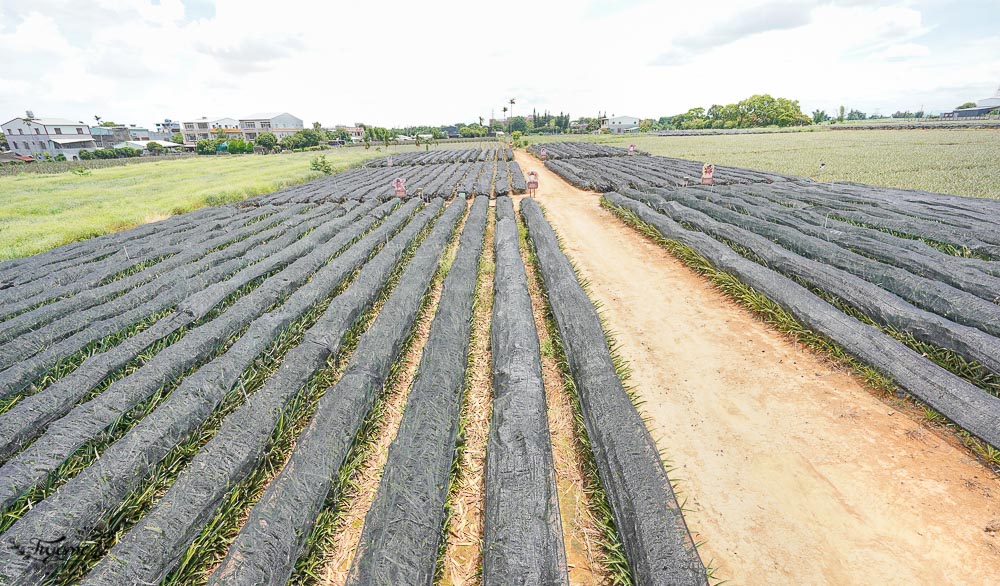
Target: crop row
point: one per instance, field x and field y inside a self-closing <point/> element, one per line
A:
<point x="492" y="178"/>
<point x="893" y="277"/>
<point x="603" y="174"/>
<point x="439" y="156"/>
<point x="185" y="412"/>
<point x="578" y="150"/>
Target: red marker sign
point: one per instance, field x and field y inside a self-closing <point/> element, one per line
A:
<point x="399" y="185"/>
<point x="532" y="183"/>
<point x="706" y="174"/>
<point x="543" y="154"/>
<point x="631" y="149"/>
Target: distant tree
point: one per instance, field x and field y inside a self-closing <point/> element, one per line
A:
<point x="322" y="165"/>
<point x="86" y="155"/>
<point x="220" y="133"/>
<point x="820" y="116"/>
<point x="155" y="148"/>
<point x="966" y="105"/>
<point x="108" y="124"/>
<point x="311" y="137"/>
<point x="267" y="140"/>
<point x="60" y="157"/>
<point x="3" y="141"/>
<point x="856" y="115"/>
<point x="317" y="127"/>
<point x="177" y="138"/>
<point x="840" y="116"/>
<point x="206" y="146"/>
<point x="472" y="131"/>
<point x="518" y="124"/>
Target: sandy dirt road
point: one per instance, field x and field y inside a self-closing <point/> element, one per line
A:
<point x="794" y="471"/>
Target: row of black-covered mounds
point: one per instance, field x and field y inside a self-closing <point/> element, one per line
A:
<point x="522" y="532"/>
<point x="657" y="543"/>
<point x="439" y="156"/>
<point x="969" y="406"/>
<point x="155" y="543"/>
<point x="491" y="177"/>
<point x="579" y="150"/>
<point x="898" y="282"/>
<point x="300" y="276"/>
<point x="603" y="174"/>
<point x="959" y="289"/>
<point x="403" y="529"/>
<point x="273" y="538"/>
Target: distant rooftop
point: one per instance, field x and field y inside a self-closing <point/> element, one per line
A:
<point x="262" y="116"/>
<point x="56" y="121"/>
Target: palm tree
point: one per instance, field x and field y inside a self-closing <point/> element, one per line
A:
<point x="511" y="112"/>
<point x="505" y="116"/>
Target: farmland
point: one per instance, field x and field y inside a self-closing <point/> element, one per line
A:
<point x="958" y="162"/>
<point x="327" y="384"/>
<point x="39" y="212"/>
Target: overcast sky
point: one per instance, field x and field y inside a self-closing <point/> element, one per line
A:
<point x="401" y="63"/>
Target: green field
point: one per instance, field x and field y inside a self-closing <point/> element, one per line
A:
<point x="960" y="162"/>
<point x="39" y="212"/>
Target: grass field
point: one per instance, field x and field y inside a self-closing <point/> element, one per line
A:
<point x="39" y="212"/>
<point x="960" y="162"/>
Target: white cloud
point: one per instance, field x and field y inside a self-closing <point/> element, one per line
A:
<point x="405" y="62"/>
<point x="904" y="51"/>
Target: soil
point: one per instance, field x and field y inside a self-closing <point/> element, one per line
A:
<point x="793" y="470"/>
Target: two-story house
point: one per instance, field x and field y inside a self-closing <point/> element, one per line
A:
<point x="620" y="124"/>
<point x="195" y="130"/>
<point x="33" y="137"/>
<point x="279" y="124"/>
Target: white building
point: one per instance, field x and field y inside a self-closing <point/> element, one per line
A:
<point x="280" y="124"/>
<point x="620" y="124"/>
<point x="33" y="137"/>
<point x="195" y="130"/>
<point x="993" y="102"/>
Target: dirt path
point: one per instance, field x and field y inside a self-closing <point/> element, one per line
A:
<point x="795" y="473"/>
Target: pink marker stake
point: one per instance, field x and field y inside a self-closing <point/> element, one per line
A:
<point x="532" y="183"/>
<point x="707" y="171"/>
<point x="399" y="185"/>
